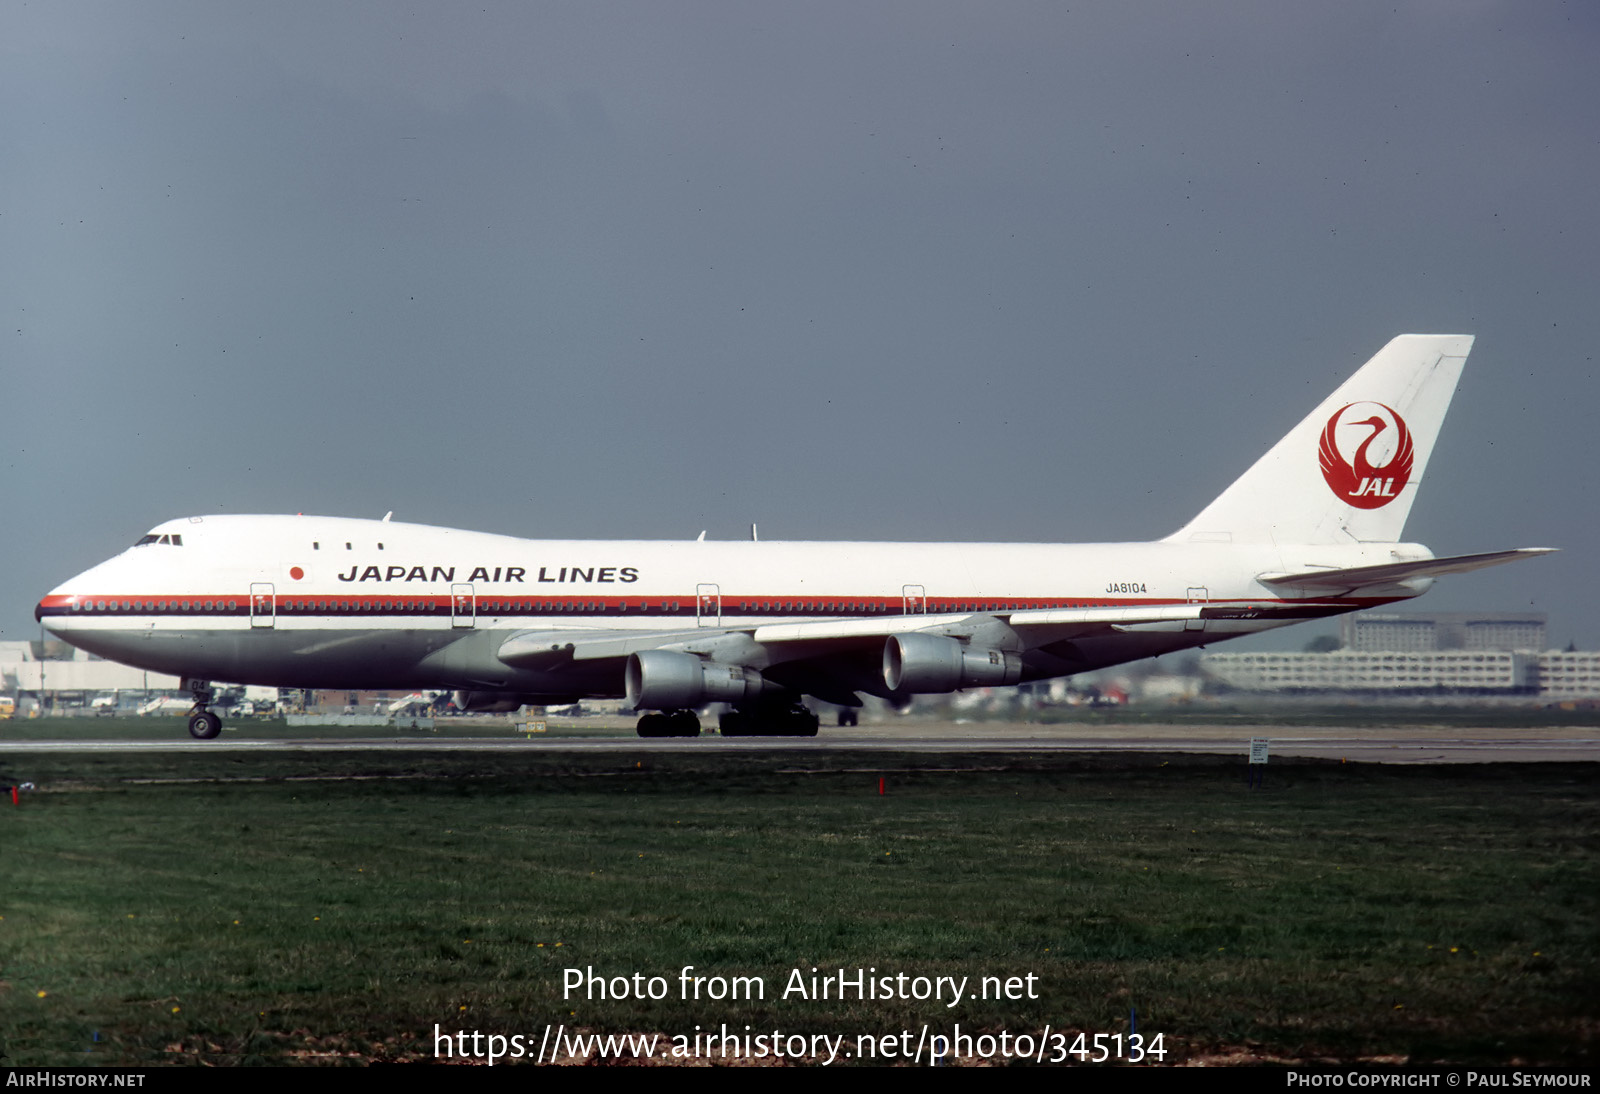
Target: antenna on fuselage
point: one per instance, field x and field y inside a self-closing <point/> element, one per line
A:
<point x="387" y="515"/>
<point x="701" y="538"/>
<point x="753" y="537"/>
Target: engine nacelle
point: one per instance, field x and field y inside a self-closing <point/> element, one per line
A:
<point x="920" y="663"/>
<point x="505" y="702"/>
<point x="667" y="680"/>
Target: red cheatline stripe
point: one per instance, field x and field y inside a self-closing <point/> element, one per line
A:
<point x="301" y="605"/>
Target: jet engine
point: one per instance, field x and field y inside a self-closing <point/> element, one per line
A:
<point x="505" y="702"/>
<point x="667" y="680"/>
<point x="920" y="663"/>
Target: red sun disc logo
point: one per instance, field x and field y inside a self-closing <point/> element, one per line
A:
<point x="296" y="572"/>
<point x="1379" y="434"/>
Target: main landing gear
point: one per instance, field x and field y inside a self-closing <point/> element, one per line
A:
<point x="763" y="721"/>
<point x="203" y="724"/>
<point x="677" y="723"/>
<point x="769" y="721"/>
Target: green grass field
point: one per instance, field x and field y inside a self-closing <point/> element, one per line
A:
<point x="278" y="729"/>
<point x="1280" y="714"/>
<point x="296" y="907"/>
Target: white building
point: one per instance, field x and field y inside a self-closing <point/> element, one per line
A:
<point x="1569" y="674"/>
<point x="1425" y="631"/>
<point x="1412" y="652"/>
<point x="21" y="670"/>
<point x="1388" y="671"/>
<point x="1553" y="675"/>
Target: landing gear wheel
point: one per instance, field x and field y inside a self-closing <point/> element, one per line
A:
<point x="204" y="725"/>
<point x="796" y="721"/>
<point x="678" y="723"/>
<point x="849" y="716"/>
<point x="802" y="723"/>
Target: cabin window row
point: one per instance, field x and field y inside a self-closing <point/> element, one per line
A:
<point x="492" y="606"/>
<point x="155" y="605"/>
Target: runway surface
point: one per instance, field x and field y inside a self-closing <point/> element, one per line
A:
<point x="1409" y="745"/>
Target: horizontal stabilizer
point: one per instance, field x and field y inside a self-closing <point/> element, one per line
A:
<point x="1357" y="577"/>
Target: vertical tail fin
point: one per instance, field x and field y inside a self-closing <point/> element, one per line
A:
<point x="1350" y="471"/>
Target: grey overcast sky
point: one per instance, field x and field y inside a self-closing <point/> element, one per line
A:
<point x="926" y="270"/>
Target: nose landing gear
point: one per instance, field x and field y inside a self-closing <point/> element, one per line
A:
<point x="203" y="724"/>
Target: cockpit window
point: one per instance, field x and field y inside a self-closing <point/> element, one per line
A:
<point x="172" y="540"/>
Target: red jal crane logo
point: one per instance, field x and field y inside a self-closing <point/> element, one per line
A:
<point x="1359" y="481"/>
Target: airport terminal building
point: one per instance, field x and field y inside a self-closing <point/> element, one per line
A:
<point x="1420" y="632"/>
<point x="55" y="669"/>
<point x="1417" y="653"/>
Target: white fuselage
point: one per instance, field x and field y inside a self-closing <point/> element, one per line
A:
<point x="1310" y="530"/>
<point x="305" y="601"/>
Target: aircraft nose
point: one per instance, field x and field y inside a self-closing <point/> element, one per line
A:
<point x="48" y="612"/>
<point x="54" y="605"/>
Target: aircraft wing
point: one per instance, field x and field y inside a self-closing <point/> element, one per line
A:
<point x="536" y="649"/>
<point x="1357" y="577"/>
<point x="833" y="659"/>
<point x="827" y="643"/>
<point x="790" y="641"/>
<point x="549" y="649"/>
<point x="1037" y="627"/>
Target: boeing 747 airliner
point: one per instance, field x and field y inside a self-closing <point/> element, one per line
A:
<point x="1311" y="530"/>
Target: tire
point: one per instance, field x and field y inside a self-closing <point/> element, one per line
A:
<point x="204" y="725"/>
